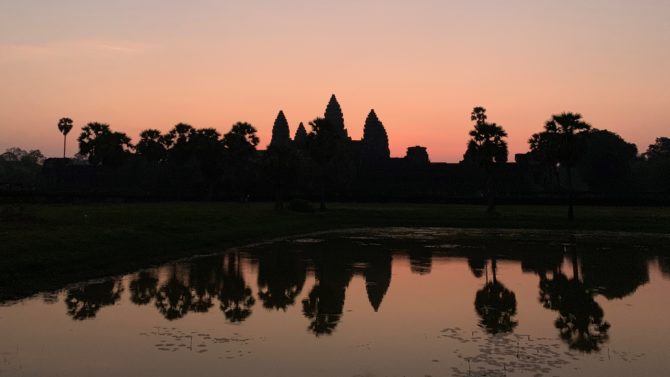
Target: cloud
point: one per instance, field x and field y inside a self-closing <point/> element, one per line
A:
<point x="73" y="48"/>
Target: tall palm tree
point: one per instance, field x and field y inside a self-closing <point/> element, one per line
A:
<point x="64" y="126"/>
<point x="563" y="128"/>
<point x="487" y="148"/>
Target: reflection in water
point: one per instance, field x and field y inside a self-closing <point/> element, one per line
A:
<point x="378" y="277"/>
<point x="614" y="274"/>
<point x="535" y="306"/>
<point x="496" y="305"/>
<point x="664" y="263"/>
<point x="281" y="276"/>
<point x="421" y="260"/>
<point x="85" y="301"/>
<point x="143" y="287"/>
<point x="325" y="302"/>
<point x="580" y="322"/>
<point x="202" y="284"/>
<point x="173" y="298"/>
<point x="234" y="294"/>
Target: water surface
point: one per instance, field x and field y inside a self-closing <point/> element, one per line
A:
<point x="389" y="302"/>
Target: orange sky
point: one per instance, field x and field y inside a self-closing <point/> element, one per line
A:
<point x="422" y="65"/>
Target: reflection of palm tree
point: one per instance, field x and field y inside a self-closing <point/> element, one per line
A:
<point x="580" y="320"/>
<point x="173" y="299"/>
<point x="85" y="302"/>
<point x="496" y="306"/>
<point x="324" y="308"/>
<point x="281" y="277"/>
<point x="325" y="303"/>
<point x="236" y="299"/>
<point x="203" y="279"/>
<point x="143" y="288"/>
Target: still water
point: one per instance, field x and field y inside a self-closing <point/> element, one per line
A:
<point x="385" y="302"/>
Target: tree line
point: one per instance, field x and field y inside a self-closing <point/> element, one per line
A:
<point x="567" y="155"/>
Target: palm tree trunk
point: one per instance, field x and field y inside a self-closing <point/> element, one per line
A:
<point x="64" y="144"/>
<point x="571" y="211"/>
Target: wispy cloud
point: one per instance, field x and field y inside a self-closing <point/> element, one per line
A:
<point x="76" y="48"/>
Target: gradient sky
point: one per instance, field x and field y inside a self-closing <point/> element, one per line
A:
<point x="421" y="64"/>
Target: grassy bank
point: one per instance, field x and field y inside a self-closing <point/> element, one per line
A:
<point x="47" y="246"/>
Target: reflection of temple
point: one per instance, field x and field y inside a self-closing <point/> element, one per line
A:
<point x="569" y="282"/>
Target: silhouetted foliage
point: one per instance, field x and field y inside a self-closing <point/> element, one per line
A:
<point x="143" y="288"/>
<point x="281" y="276"/>
<point x="152" y="146"/>
<point x="561" y="145"/>
<point x="486" y="149"/>
<point x="580" y="322"/>
<point x="657" y="157"/>
<point x="496" y="306"/>
<point x="235" y="297"/>
<point x="173" y="298"/>
<point x="325" y="303"/>
<point x="240" y="152"/>
<point x="64" y="126"/>
<point x="606" y="161"/>
<point x="84" y="302"/>
<point x="101" y="146"/>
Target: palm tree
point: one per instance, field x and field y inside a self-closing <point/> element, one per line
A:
<point x="564" y="127"/>
<point x="64" y="126"/>
<point x="487" y="148"/>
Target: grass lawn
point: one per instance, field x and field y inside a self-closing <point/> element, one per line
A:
<point x="50" y="245"/>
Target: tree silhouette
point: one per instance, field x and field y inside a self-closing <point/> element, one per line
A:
<point x="280" y="131"/>
<point x="102" y="146"/>
<point x="606" y="161"/>
<point x="657" y="158"/>
<point x="375" y="140"/>
<point x="240" y="149"/>
<point x="152" y="146"/>
<point x="487" y="149"/>
<point x="64" y="126"/>
<point x="559" y="136"/>
<point x="496" y="305"/>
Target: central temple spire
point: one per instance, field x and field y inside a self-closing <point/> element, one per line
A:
<point x="334" y="115"/>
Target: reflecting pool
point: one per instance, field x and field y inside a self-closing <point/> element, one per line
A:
<point x="374" y="302"/>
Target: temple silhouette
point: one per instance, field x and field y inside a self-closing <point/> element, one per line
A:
<point x="322" y="162"/>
